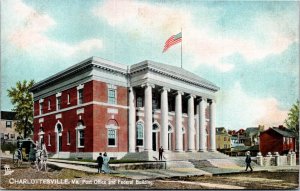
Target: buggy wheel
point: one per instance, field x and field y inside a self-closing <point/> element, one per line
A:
<point x="17" y="158"/>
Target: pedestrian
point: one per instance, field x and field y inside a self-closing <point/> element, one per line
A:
<point x="100" y="162"/>
<point x="160" y="152"/>
<point x="105" y="166"/>
<point x="248" y="161"/>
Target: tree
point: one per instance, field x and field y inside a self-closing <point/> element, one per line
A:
<point x="22" y="100"/>
<point x="292" y="122"/>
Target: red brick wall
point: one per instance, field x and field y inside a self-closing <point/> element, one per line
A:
<point x="270" y="142"/>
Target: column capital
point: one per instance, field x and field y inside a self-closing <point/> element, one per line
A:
<point x="210" y="101"/>
<point x="148" y="84"/>
<point x="165" y="89"/>
<point x="191" y="95"/>
<point x="130" y="89"/>
<point x="179" y="92"/>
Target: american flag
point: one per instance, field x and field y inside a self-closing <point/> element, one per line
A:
<point x="174" y="39"/>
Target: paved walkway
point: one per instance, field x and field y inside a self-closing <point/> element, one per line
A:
<point x="208" y="185"/>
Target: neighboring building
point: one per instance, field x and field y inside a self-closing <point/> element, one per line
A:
<point x="252" y="136"/>
<point x="223" y="140"/>
<point x="237" y="138"/>
<point x="100" y="106"/>
<point x="277" y="139"/>
<point x="7" y="126"/>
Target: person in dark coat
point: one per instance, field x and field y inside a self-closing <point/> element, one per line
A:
<point x="248" y="161"/>
<point x="160" y="152"/>
<point x="100" y="162"/>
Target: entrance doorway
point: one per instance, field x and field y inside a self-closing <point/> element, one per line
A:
<point x="59" y="137"/>
<point x="154" y="144"/>
<point x="155" y="129"/>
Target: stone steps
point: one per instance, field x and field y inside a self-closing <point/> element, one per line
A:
<point x="179" y="164"/>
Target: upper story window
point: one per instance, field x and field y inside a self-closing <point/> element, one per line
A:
<point x="112" y="135"/>
<point x="80" y="94"/>
<point x="49" y="104"/>
<point x="58" y="103"/>
<point x="68" y="99"/>
<point x="112" y="94"/>
<point x="139" y="102"/>
<point x="41" y="106"/>
<point x="8" y="124"/>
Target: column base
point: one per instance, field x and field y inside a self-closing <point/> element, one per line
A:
<point x="202" y="150"/>
<point x="178" y="151"/>
<point x="191" y="151"/>
<point x="212" y="150"/>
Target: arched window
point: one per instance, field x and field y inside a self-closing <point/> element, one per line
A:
<point x="140" y="134"/>
<point x="155" y="127"/>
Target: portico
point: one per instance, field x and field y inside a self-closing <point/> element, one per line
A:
<point x="158" y="95"/>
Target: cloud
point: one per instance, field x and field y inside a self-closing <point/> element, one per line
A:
<point x="25" y="29"/>
<point x="239" y="110"/>
<point x="203" y="40"/>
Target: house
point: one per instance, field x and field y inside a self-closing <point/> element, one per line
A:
<point x="7" y="126"/>
<point x="223" y="140"/>
<point x="277" y="139"/>
<point x="101" y="106"/>
<point x="252" y="136"/>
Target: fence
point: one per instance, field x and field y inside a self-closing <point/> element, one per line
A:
<point x="276" y="159"/>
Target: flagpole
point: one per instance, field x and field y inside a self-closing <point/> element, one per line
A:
<point x="181" y="47"/>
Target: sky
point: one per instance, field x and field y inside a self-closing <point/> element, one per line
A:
<point x="249" y="49"/>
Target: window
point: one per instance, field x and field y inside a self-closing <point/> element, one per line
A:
<point x="41" y="108"/>
<point x="80" y="134"/>
<point x="6" y="136"/>
<point x="80" y="96"/>
<point x="81" y="138"/>
<point x="49" y="143"/>
<point x="112" y="134"/>
<point x="12" y="136"/>
<point x="68" y="138"/>
<point x="49" y="104"/>
<point x="139" y="102"/>
<point x="58" y="103"/>
<point x="224" y="138"/>
<point x="140" y="134"/>
<point x="2" y="135"/>
<point x="112" y="94"/>
<point x="8" y="124"/>
<point x="68" y="99"/>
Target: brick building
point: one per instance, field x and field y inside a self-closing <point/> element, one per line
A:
<point x="277" y="139"/>
<point x="100" y="106"/>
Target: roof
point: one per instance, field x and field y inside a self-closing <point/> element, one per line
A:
<point x="221" y="130"/>
<point x="8" y="115"/>
<point x="284" y="132"/>
<point x="173" y="71"/>
<point x="165" y="69"/>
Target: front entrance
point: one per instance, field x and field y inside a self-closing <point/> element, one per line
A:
<point x="154" y="144"/>
<point x="59" y="137"/>
<point x="59" y="143"/>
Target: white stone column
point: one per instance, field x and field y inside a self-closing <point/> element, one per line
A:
<point x="164" y="118"/>
<point x="202" y="123"/>
<point x="132" y="126"/>
<point x="212" y="116"/>
<point x="197" y="128"/>
<point x="191" y="124"/>
<point x="178" y="122"/>
<point x="148" y="117"/>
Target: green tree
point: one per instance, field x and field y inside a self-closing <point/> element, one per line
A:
<point x="292" y="122"/>
<point x="22" y="100"/>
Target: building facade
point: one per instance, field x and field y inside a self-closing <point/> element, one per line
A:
<point x="7" y="126"/>
<point x="223" y="139"/>
<point x="277" y="139"/>
<point x="100" y="106"/>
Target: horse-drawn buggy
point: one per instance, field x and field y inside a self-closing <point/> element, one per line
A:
<point x="33" y="153"/>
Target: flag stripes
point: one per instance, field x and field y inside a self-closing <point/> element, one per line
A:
<point x="172" y="41"/>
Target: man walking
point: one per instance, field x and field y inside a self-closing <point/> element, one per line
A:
<point x="248" y="161"/>
<point x="100" y="162"/>
<point x="160" y="152"/>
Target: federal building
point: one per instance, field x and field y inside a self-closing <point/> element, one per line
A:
<point x="101" y="106"/>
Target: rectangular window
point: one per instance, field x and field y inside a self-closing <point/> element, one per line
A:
<point x="81" y="138"/>
<point x="68" y="99"/>
<point x="112" y="137"/>
<point x="58" y="103"/>
<point x="112" y="94"/>
<point x="49" y="143"/>
<point x="2" y="135"/>
<point x="68" y="138"/>
<point x="80" y="96"/>
<point x="41" y="108"/>
<point x="224" y="138"/>
<point x="139" y="102"/>
<point x="8" y="124"/>
<point x="12" y="136"/>
<point x="49" y="104"/>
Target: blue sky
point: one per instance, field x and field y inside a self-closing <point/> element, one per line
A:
<point x="249" y="49"/>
